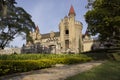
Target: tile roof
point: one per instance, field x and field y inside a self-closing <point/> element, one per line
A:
<point x="47" y="35"/>
<point x="71" y="11"/>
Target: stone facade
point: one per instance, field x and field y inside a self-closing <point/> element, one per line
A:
<point x="68" y="39"/>
<point x="11" y="51"/>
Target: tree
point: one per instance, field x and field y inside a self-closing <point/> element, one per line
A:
<point x="104" y="19"/>
<point x="13" y="21"/>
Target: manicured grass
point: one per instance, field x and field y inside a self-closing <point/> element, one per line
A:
<point x="116" y="56"/>
<point x="109" y="70"/>
<point x="104" y="54"/>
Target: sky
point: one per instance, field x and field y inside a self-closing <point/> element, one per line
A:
<point x="47" y="14"/>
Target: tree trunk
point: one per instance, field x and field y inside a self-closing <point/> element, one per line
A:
<point x="2" y="47"/>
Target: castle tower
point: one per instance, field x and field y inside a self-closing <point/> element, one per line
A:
<point x="70" y="32"/>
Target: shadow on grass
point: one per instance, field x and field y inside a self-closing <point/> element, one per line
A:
<point x="109" y="70"/>
<point x="104" y="54"/>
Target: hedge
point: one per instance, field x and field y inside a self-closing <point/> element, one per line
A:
<point x="14" y="66"/>
<point x="38" y="56"/>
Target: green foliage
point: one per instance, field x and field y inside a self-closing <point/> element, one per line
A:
<point x="104" y="19"/>
<point x="104" y="54"/>
<point x="39" y="56"/>
<point x="107" y="71"/>
<point x="15" y="21"/>
<point x="27" y="62"/>
<point x="13" y="66"/>
<point x="71" y="60"/>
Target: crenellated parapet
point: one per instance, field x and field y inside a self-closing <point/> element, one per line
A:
<point x="68" y="39"/>
<point x="78" y="23"/>
<point x="68" y="19"/>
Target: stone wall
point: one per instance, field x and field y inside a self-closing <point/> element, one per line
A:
<point x="11" y="51"/>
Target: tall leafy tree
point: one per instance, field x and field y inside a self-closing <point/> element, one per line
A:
<point x="103" y="18"/>
<point x="13" y="21"/>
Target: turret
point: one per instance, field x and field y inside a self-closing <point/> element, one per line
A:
<point x="37" y="30"/>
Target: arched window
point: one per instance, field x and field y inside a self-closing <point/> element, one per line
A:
<point x="67" y="32"/>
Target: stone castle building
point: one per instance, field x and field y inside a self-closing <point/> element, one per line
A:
<point x="68" y="39"/>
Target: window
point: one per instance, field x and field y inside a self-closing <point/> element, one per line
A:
<point x="66" y="31"/>
<point x="66" y="44"/>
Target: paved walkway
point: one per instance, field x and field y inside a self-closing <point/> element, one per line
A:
<point x="59" y="72"/>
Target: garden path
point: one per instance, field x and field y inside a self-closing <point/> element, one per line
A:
<point x="59" y="72"/>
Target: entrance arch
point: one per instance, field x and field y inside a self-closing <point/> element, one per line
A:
<point x="52" y="48"/>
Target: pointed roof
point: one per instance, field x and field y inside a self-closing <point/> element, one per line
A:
<point x="37" y="28"/>
<point x="71" y="11"/>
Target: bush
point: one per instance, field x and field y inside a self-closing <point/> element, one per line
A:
<point x="38" y="56"/>
<point x="13" y="66"/>
<point x="71" y="60"/>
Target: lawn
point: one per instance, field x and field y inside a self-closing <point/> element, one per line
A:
<point x="15" y="63"/>
<point x="110" y="70"/>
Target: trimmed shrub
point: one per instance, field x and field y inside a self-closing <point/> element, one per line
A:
<point x="71" y="60"/>
<point x="27" y="62"/>
<point x="38" y="56"/>
<point x="14" y="66"/>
